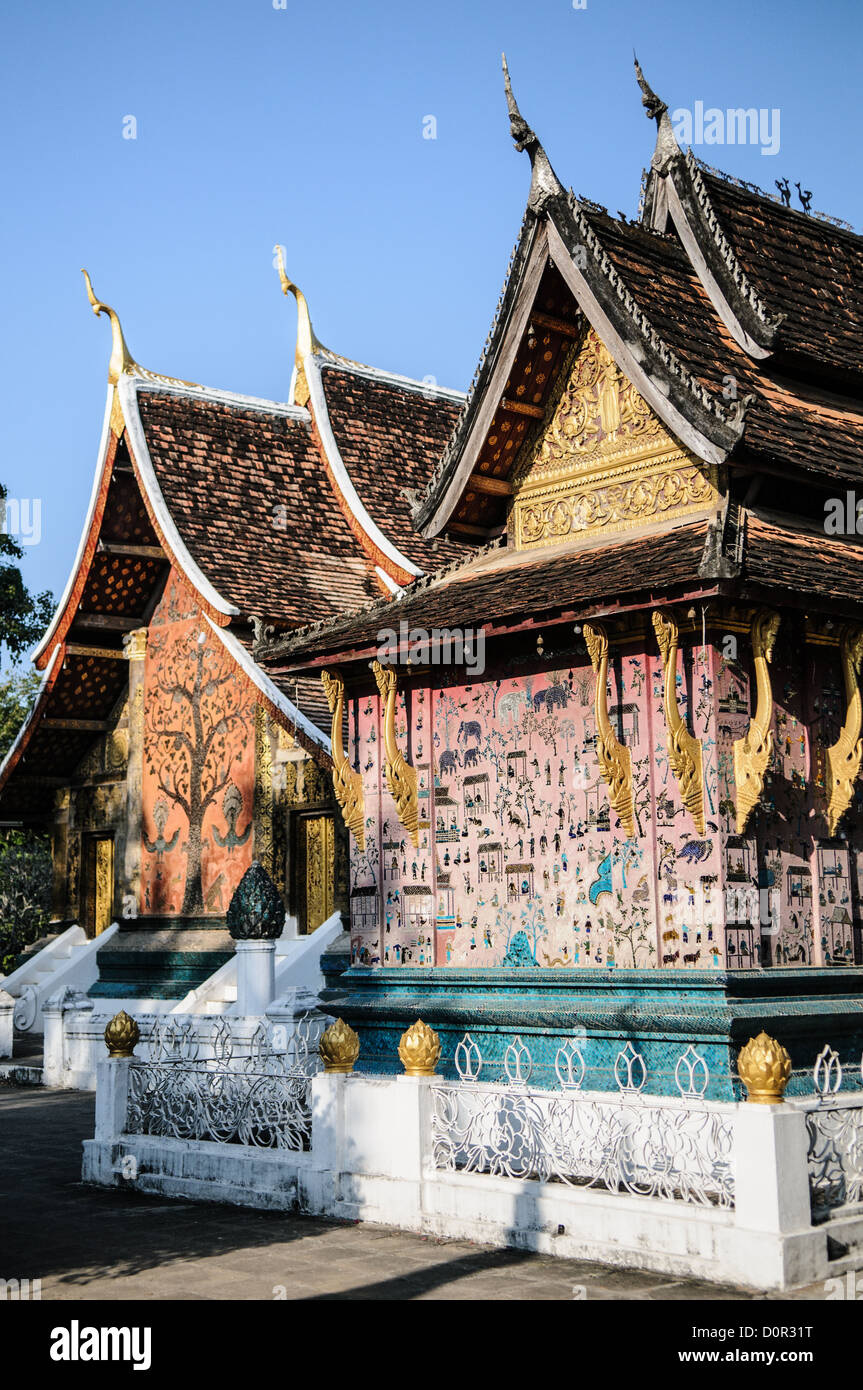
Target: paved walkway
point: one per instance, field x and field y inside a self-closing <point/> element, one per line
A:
<point x="90" y="1243"/>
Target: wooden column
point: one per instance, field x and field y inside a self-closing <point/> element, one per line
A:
<point x="129" y="872"/>
<point x="60" y="850"/>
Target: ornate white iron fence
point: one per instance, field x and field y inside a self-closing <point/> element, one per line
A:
<point x="677" y="1148"/>
<point x="227" y="1085"/>
<point x="835" y="1130"/>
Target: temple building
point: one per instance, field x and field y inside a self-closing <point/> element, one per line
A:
<point x="601" y="769"/>
<point x="159" y="754"/>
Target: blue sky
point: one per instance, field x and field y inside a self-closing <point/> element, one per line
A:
<point x="304" y="125"/>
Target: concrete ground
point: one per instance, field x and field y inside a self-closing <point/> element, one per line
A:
<point x="93" y="1243"/>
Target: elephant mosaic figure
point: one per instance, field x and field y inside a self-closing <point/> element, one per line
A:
<point x="470" y="728"/>
<point x="448" y="762"/>
<point x="512" y="702"/>
<point x="555" y="697"/>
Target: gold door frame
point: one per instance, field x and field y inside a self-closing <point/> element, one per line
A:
<point x="98" y="897"/>
<point x="316" y="869"/>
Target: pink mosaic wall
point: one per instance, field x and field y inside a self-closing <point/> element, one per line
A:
<point x="518" y="846"/>
<point x="521" y="860"/>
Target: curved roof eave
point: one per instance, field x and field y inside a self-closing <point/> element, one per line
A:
<point x="161" y="517"/>
<point x="39" y="652"/>
<point x="528" y="262"/>
<point x="28" y="728"/>
<point x="406" y="569"/>
<point x="714" y="261"/>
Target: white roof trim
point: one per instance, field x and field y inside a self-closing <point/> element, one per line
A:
<point x="395" y="589"/>
<point x="345" y="486"/>
<point x="408" y="383"/>
<point x="128" y="389"/>
<point x="43" y="645"/>
<point x="30" y="717"/>
<point x="211" y="393"/>
<point x="262" y="681"/>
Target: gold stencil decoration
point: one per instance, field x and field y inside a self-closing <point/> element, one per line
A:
<point x="401" y="777"/>
<point x="347" y="783"/>
<point x="765" y="1069"/>
<point x="263" y="793"/>
<point x="615" y="760"/>
<point x="753" y="752"/>
<point x="846" y="754"/>
<point x="685" y="753"/>
<point x="419" y="1049"/>
<point x="604" y="461"/>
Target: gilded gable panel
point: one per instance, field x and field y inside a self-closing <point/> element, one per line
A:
<point x="603" y="461"/>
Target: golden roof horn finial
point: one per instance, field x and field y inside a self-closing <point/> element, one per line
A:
<point x="121" y="358"/>
<point x="306" y="340"/>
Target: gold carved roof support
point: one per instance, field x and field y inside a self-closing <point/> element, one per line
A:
<point x="615" y="760"/>
<point x="752" y="752"/>
<point x="846" y="754"/>
<point x="685" y="753"/>
<point x="401" y="777"/>
<point x="348" y="784"/>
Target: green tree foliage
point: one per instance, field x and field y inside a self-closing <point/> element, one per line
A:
<point x="25" y="892"/>
<point x="18" y="692"/>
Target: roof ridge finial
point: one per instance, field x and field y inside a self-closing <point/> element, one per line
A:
<point x="306" y="339"/>
<point x="544" y="183"/>
<point x="121" y="358"/>
<point x="657" y="110"/>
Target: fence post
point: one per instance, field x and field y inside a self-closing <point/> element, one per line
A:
<point x="7" y="1009"/>
<point x="256" y="976"/>
<point x="112" y="1095"/>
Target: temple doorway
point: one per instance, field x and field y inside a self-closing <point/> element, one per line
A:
<point x="316" y="847"/>
<point x="97" y="899"/>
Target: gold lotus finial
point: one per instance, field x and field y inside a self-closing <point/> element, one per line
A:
<point x="419" y="1049"/>
<point x="339" y="1047"/>
<point x="764" y="1067"/>
<point x="121" y="358"/>
<point x="121" y="1035"/>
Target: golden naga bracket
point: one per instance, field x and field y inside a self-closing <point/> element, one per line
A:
<point x="615" y="759"/>
<point x="752" y="752"/>
<point x="846" y="754"/>
<point x="685" y="752"/>
<point x="401" y="777"/>
<point x="347" y="783"/>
